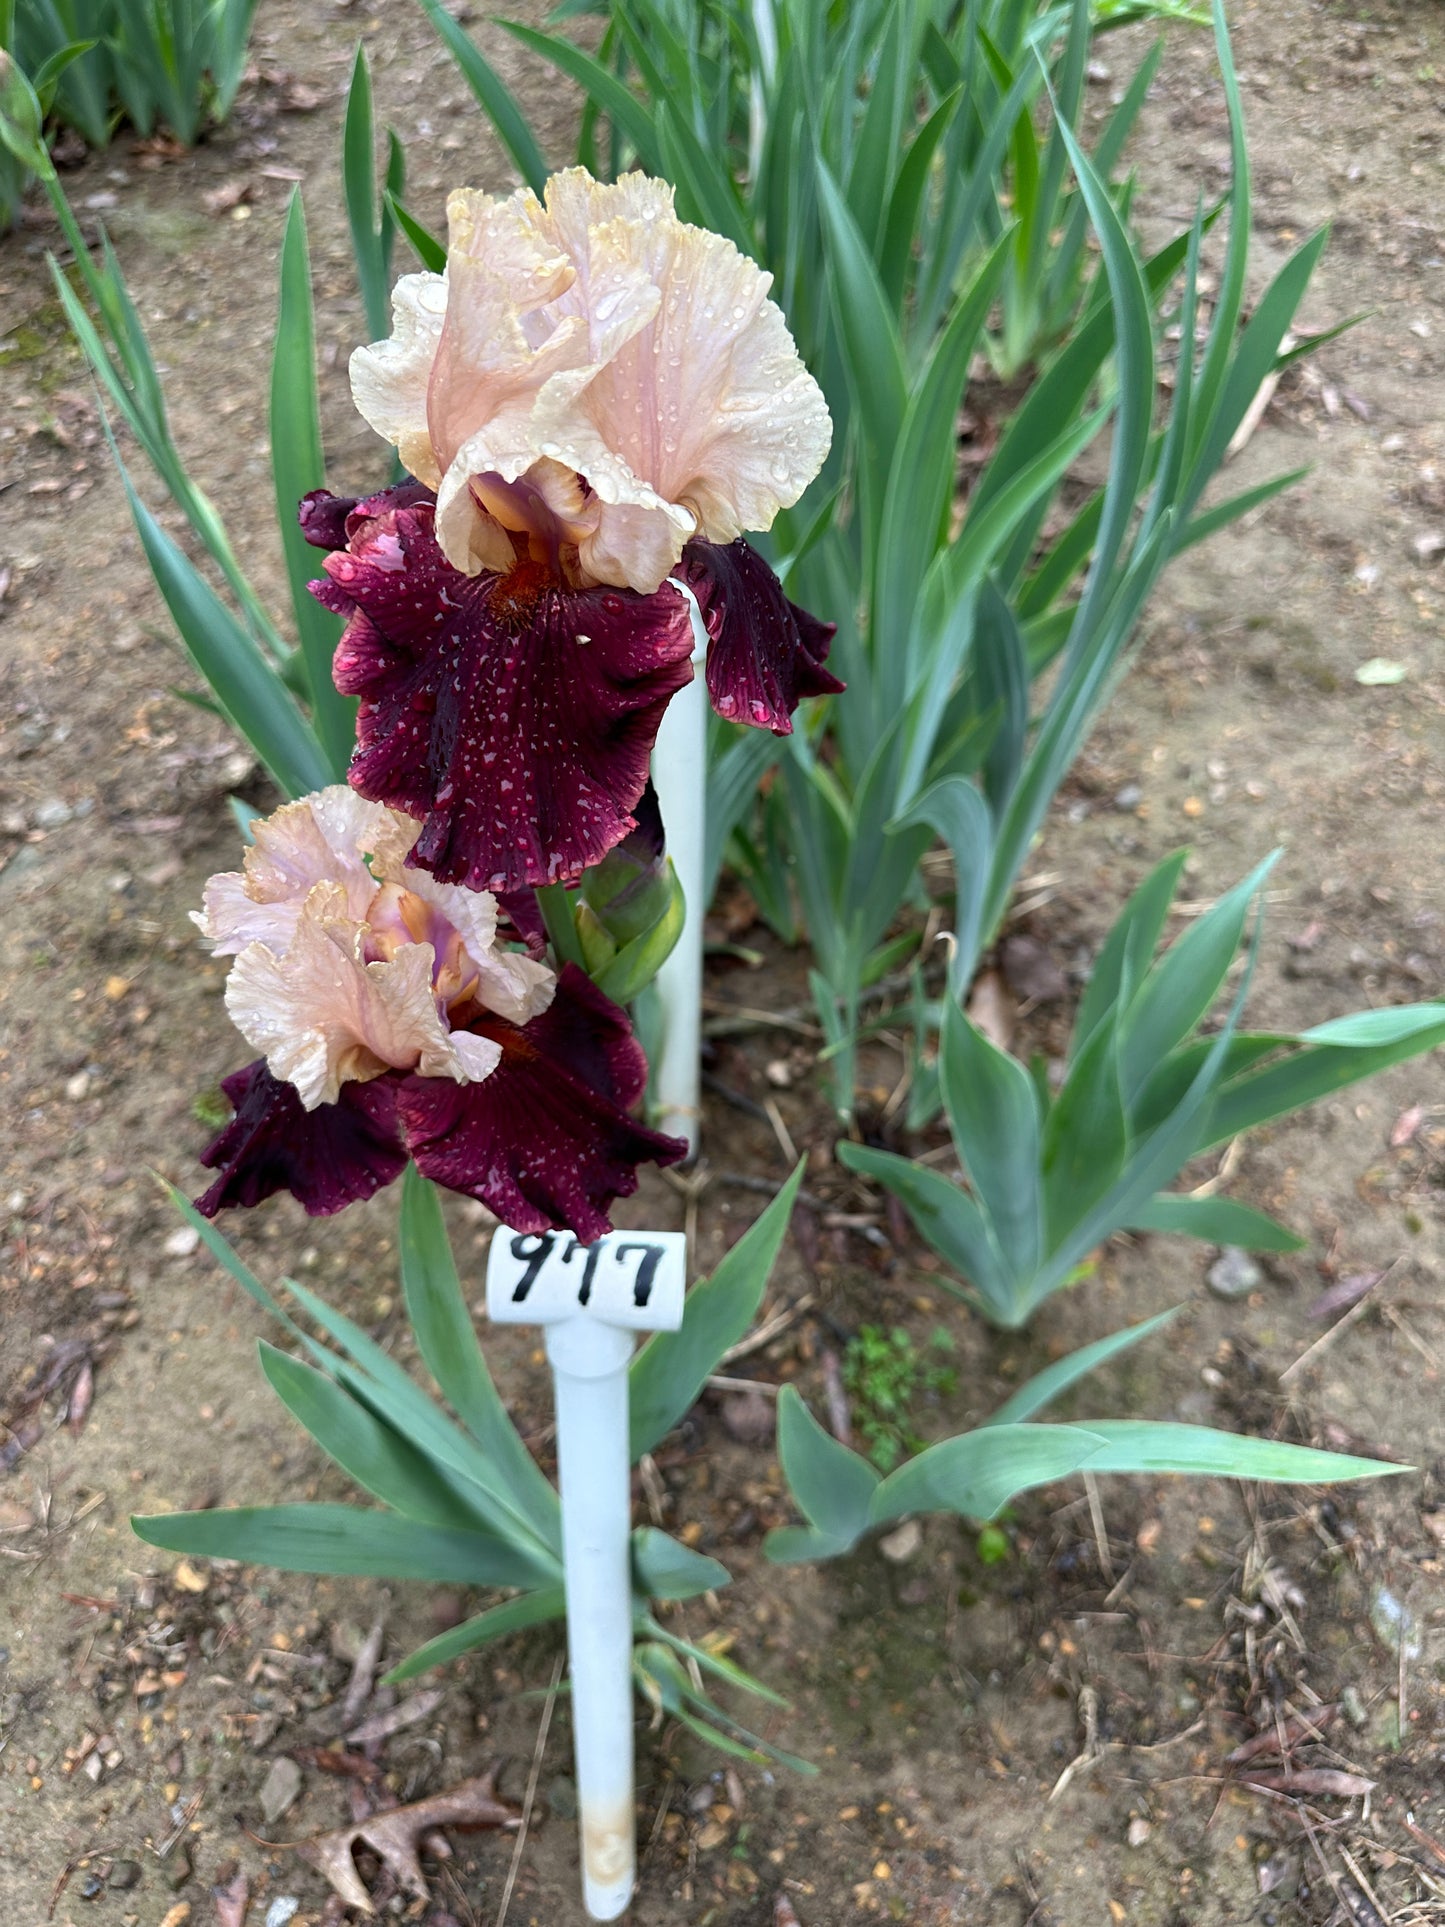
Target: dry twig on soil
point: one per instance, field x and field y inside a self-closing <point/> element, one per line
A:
<point x="363" y="1676"/>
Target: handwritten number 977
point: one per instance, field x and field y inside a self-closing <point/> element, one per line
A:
<point x="533" y="1249"/>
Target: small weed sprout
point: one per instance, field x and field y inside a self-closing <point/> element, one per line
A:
<point x="887" y="1376"/>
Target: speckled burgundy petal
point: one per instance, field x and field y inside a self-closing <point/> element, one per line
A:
<point x="322" y="516"/>
<point x="327" y="520"/>
<point x="765" y="653"/>
<point x="326" y="1158"/>
<point x="513" y="716"/>
<point x="545" y="1142"/>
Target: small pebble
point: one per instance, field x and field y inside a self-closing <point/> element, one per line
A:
<point x="1394" y="1623"/>
<point x="1129" y="798"/>
<point x="748" y="1417"/>
<point x="279" y="1792"/>
<point x="182" y="1242"/>
<point x="51" y="814"/>
<point x="562" y="1797"/>
<point x="346" y="1640"/>
<point x="1234" y="1274"/>
<point x="77" y="1086"/>
<point x="1139" y="1831"/>
<point x="903" y="1544"/>
<point x="124" y="1875"/>
<point x="283" y="1908"/>
<point x="178" y="1867"/>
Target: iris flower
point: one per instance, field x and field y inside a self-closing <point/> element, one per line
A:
<point x="393" y="1024"/>
<point x="595" y="400"/>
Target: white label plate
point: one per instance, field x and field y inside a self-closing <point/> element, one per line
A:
<point x="636" y="1279"/>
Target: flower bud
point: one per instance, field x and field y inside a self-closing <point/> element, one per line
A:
<point x="631" y="911"/>
<point x="629" y="890"/>
<point x="20" y="116"/>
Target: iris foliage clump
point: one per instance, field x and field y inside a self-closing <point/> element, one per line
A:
<point x="175" y="64"/>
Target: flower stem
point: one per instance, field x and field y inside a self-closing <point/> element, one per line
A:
<point x="556" y="908"/>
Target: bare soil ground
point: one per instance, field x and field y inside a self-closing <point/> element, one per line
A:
<point x="143" y="1703"/>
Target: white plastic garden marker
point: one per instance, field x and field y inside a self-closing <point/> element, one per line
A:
<point x="679" y="771"/>
<point x="591" y="1299"/>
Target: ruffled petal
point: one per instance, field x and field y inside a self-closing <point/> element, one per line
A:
<point x="765" y="653"/>
<point x="390" y="379"/>
<point x="327" y="1158"/>
<point x="510" y="983"/>
<point x="497" y="347"/>
<point x="709" y="404"/>
<point x="513" y="716"/>
<point x="324" y="1016"/>
<point x="461" y="927"/>
<point x="323" y="838"/>
<point x="544" y="1142"/>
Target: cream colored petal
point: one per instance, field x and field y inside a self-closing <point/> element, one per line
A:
<point x="612" y="289"/>
<point x="470" y="539"/>
<point x="515" y="986"/>
<point x="389" y="379"/>
<point x="513" y="236"/>
<point x="632" y="536"/>
<point x="390" y="842"/>
<point x="484" y="363"/>
<point x="509" y="983"/>
<point x="482" y="394"/>
<point x="497" y="347"/>
<point x="322" y="838"/>
<point x="532" y="307"/>
<point x="231" y="918"/>
<point x="577" y="203"/>
<point x="637" y="544"/>
<point x="478" y="1056"/>
<point x="323" y="1016"/>
<point x="711" y="403"/>
<point x="496" y="423"/>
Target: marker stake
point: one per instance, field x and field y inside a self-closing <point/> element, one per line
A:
<point x="589" y="1379"/>
<point x="679" y="773"/>
<point x="591" y="1301"/>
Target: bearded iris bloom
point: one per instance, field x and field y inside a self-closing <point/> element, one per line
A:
<point x="393" y="1023"/>
<point x="596" y="400"/>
